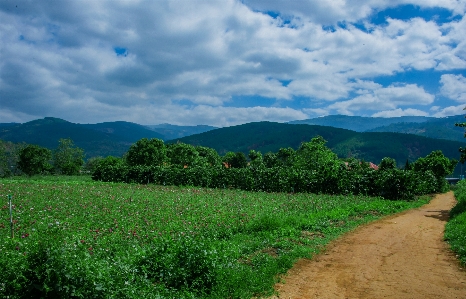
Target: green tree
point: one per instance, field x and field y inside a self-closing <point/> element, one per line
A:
<point x="67" y="158"/>
<point x="239" y="160"/>
<point x="270" y="160"/>
<point x="34" y="159"/>
<point x="4" y="169"/>
<point x="387" y="163"/>
<point x="438" y="164"/>
<point x="208" y="156"/>
<point x="256" y="159"/>
<point x="235" y="160"/>
<point x="9" y="157"/>
<point x="315" y="155"/>
<point x="228" y="158"/>
<point x="182" y="155"/>
<point x="147" y="152"/>
<point x="92" y="163"/>
<point x="286" y="156"/>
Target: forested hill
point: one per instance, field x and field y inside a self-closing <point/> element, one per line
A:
<point x="96" y="140"/>
<point x="370" y="146"/>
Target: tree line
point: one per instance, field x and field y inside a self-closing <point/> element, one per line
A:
<point x="30" y="159"/>
<point x="313" y="167"/>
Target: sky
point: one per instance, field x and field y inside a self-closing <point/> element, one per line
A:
<point x="229" y="62"/>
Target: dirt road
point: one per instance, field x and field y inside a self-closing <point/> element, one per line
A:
<point x="403" y="256"/>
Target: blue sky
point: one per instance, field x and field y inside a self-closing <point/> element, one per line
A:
<point x="230" y="62"/>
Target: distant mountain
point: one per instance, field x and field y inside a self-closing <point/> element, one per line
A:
<point x="441" y="128"/>
<point x="359" y="123"/>
<point x="129" y="132"/>
<point x="370" y="146"/>
<point x="96" y="140"/>
<point x="172" y="131"/>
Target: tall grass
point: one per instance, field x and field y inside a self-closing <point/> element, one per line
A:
<point x="455" y="230"/>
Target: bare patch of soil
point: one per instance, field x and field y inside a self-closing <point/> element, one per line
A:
<point x="401" y="256"/>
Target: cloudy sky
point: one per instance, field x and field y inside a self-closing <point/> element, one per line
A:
<point x="229" y="62"/>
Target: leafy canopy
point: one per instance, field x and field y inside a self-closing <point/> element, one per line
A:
<point x="67" y="158"/>
<point x="34" y="159"/>
<point x="147" y="152"/>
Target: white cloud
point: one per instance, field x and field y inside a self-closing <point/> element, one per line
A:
<point x="450" y="111"/>
<point x="453" y="87"/>
<point x="400" y="112"/>
<point x="60" y="60"/>
<point x="383" y="99"/>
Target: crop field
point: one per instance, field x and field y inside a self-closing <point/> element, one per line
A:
<point x="108" y="240"/>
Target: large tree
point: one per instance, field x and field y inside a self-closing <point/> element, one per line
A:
<point x="147" y="152"/>
<point x="34" y="159"/>
<point x="208" y="156"/>
<point x="438" y="164"/>
<point x="67" y="158"/>
<point x="182" y="155"/>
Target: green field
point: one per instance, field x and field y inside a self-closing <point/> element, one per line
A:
<point x="84" y="239"/>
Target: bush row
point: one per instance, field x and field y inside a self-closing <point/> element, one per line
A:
<point x="392" y="184"/>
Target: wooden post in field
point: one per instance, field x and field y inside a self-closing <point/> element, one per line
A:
<point x="11" y="218"/>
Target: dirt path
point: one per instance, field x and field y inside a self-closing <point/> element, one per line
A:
<point x="402" y="256"/>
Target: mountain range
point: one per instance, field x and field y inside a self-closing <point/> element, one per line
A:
<point x="441" y="128"/>
<point x="371" y="138"/>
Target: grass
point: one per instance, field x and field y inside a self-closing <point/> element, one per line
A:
<point x="78" y="238"/>
<point x="456" y="226"/>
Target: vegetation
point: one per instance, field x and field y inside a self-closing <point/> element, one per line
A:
<point x="80" y="239"/>
<point x="9" y="158"/>
<point x="369" y="146"/>
<point x="68" y="159"/>
<point x="456" y="226"/>
<point x="34" y="159"/>
<point x="115" y="138"/>
<point x="313" y="168"/>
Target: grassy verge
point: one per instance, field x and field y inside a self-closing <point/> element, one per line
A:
<point x="104" y="240"/>
<point x="455" y="230"/>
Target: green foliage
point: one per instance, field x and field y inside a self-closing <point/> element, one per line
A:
<point x="387" y="163"/>
<point x="208" y="157"/>
<point x="34" y="159"/>
<point x="110" y="169"/>
<point x="92" y="163"/>
<point x="68" y="159"/>
<point x="456" y="226"/>
<point x="235" y="160"/>
<point x="99" y="240"/>
<point x="182" y="155"/>
<point x="147" y="152"/>
<point x="315" y="169"/>
<point x="9" y="157"/>
<point x="439" y="165"/>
